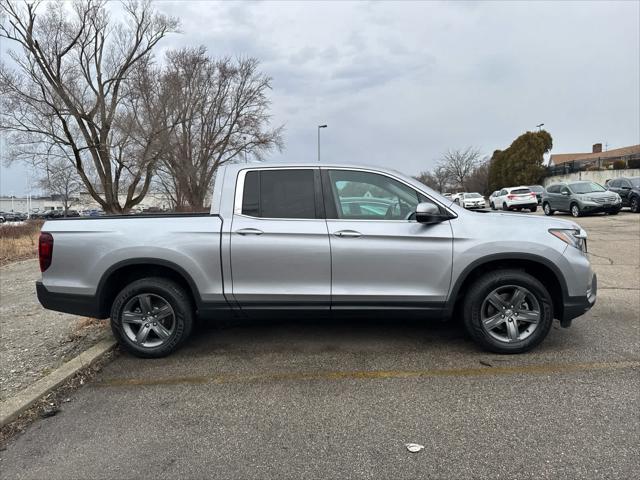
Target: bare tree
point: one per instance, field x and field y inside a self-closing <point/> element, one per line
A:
<point x="459" y="164"/>
<point x="478" y="180"/>
<point x="76" y="93"/>
<point x="61" y="181"/>
<point x="220" y="110"/>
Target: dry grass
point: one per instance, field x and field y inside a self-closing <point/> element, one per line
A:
<point x="19" y="242"/>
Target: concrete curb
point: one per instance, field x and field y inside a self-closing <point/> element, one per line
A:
<point x="11" y="408"/>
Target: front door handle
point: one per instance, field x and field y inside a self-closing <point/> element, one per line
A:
<point x="249" y="231"/>
<point x="348" y="234"/>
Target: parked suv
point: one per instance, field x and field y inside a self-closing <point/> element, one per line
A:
<point x="579" y="198"/>
<point x="516" y="198"/>
<point x="629" y="190"/>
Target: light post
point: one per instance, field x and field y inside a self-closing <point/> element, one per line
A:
<point x="319" y="127"/>
<point x="540" y="126"/>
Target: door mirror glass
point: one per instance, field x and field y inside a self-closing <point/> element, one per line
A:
<point x="428" y="213"/>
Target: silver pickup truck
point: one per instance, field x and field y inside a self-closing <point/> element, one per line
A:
<point x="327" y="238"/>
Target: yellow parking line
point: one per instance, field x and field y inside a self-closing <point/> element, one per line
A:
<point x="371" y="375"/>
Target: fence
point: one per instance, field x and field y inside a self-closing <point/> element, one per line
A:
<point x="594" y="164"/>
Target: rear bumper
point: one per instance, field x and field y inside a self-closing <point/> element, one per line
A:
<point x="84" y="305"/>
<point x="529" y="204"/>
<point x="576" y="306"/>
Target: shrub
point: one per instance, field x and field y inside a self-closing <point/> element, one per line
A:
<point x="619" y="165"/>
<point x="634" y="163"/>
<point x="19" y="242"/>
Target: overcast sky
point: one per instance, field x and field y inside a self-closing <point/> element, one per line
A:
<point x="400" y="83"/>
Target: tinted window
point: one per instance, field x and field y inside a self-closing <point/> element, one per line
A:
<point x="251" y="194"/>
<point x="635" y="181"/>
<point x="613" y="183"/>
<point x="370" y="196"/>
<point x="519" y="191"/>
<point x="553" y="189"/>
<point x="279" y="194"/>
<point x="503" y="192"/>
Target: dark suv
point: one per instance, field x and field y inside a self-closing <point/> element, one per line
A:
<point x="629" y="190"/>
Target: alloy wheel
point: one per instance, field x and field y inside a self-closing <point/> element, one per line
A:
<point x="575" y="210"/>
<point x="148" y="320"/>
<point x="510" y="313"/>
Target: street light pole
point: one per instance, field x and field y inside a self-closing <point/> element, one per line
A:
<point x="540" y="126"/>
<point x="319" y="127"/>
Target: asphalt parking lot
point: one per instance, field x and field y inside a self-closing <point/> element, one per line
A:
<point x="327" y="399"/>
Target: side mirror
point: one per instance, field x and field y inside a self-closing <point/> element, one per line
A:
<point x="428" y="213"/>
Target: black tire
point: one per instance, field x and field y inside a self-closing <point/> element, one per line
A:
<point x="575" y="211"/>
<point x="634" y="204"/>
<point x="487" y="284"/>
<point x="493" y="207"/>
<point x="548" y="211"/>
<point x="534" y="209"/>
<point x="169" y="292"/>
<point x="504" y="206"/>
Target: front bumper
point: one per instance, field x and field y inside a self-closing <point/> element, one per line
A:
<point x="475" y="205"/>
<point x="575" y="306"/>
<point x="592" y="207"/>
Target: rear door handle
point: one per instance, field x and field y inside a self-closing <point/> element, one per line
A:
<point x="348" y="234"/>
<point x="249" y="231"/>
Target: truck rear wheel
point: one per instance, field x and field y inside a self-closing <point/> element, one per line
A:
<point x="152" y="317"/>
<point x="508" y="311"/>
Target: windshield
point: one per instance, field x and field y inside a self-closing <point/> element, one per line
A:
<point x="472" y="195"/>
<point x="635" y="181"/>
<point x="586" y="187"/>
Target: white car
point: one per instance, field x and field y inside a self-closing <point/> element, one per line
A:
<point x="472" y="200"/>
<point x="516" y="198"/>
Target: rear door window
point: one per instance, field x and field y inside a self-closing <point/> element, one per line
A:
<point x="279" y="194"/>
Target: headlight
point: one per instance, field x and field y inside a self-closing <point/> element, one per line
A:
<point x="576" y="237"/>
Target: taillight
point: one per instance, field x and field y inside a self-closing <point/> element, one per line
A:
<point x="45" y="250"/>
<point x="533" y="195"/>
<point x="511" y="197"/>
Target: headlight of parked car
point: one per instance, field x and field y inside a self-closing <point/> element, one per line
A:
<point x="576" y="237"/>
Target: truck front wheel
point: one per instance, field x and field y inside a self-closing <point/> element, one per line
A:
<point x="152" y="317"/>
<point x="508" y="311"/>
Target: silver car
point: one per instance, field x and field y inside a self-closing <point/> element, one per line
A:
<point x="333" y="239"/>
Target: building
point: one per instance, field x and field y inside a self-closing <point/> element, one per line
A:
<point x="597" y="159"/>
